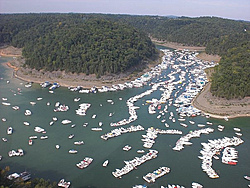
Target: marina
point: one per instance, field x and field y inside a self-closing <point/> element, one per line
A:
<point x="150" y="114"/>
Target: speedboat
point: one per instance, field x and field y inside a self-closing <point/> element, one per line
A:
<point x="73" y="151"/>
<point x="105" y="163"/>
<point x="27" y="112"/>
<point x="10" y="130"/>
<point x="71" y="136"/>
<point x="26" y="123"/>
<point x="30" y="142"/>
<point x="247" y="177"/>
<point x="57" y="146"/>
<point x="66" y="121"/>
<point x="79" y="142"/>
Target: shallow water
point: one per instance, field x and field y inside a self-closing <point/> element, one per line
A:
<point x="43" y="160"/>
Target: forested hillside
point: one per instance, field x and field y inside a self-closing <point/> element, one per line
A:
<point x="104" y="43"/>
<point x="76" y="43"/>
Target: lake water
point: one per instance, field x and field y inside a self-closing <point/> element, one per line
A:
<point x="43" y="160"/>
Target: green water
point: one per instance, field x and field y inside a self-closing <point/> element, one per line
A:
<point x="43" y="160"/>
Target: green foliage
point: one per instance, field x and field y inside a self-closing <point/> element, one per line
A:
<point x="75" y="43"/>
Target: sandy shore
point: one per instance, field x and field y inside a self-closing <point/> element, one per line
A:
<point x="219" y="107"/>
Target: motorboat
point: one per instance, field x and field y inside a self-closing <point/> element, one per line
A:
<point x="73" y="151"/>
<point x="27" y="112"/>
<point x="66" y="121"/>
<point x="71" y="136"/>
<point x="105" y="163"/>
<point x="9" y="130"/>
<point x="30" y="142"/>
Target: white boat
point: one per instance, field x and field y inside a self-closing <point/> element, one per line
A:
<point x="73" y="151"/>
<point x="140" y="151"/>
<point x="79" y="142"/>
<point x="71" y="136"/>
<point x="57" y="146"/>
<point x="94" y="116"/>
<point x="9" y="130"/>
<point x="4" y="139"/>
<point x="27" y="112"/>
<point x="73" y="125"/>
<point x="126" y="148"/>
<point x="33" y="137"/>
<point x="32" y="102"/>
<point x="26" y="123"/>
<point x="237" y="129"/>
<point x="66" y="121"/>
<point x="15" y="107"/>
<point x="39" y="129"/>
<point x="100" y="123"/>
<point x="54" y="118"/>
<point x="6" y="103"/>
<point x="77" y="99"/>
<point x="51" y="123"/>
<point x="63" y="183"/>
<point x="30" y="142"/>
<point x="39" y="98"/>
<point x="4" y="119"/>
<point x="44" y="137"/>
<point x="105" y="163"/>
<point x="96" y="129"/>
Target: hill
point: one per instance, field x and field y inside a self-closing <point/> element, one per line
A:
<point x="76" y="43"/>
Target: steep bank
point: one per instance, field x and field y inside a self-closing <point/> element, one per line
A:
<point x="73" y="79"/>
<point x="220" y="107"/>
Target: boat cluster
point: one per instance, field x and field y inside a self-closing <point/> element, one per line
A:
<point x="151" y="177"/>
<point x="17" y="153"/>
<point x="173" y="186"/>
<point x="61" y="108"/>
<point x="84" y="163"/>
<point x="81" y="111"/>
<point x="213" y="148"/>
<point x="229" y="156"/>
<point x="151" y="135"/>
<point x="132" y="164"/>
<point x="63" y="183"/>
<point x="184" y="140"/>
<point x="119" y="131"/>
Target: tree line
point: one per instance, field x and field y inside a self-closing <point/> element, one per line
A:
<point x="105" y="43"/>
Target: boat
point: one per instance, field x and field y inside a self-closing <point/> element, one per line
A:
<point x="4" y="119"/>
<point x="79" y="142"/>
<point x="33" y="137"/>
<point x="105" y="163"/>
<point x="237" y="129"/>
<point x="44" y="137"/>
<point x="84" y="163"/>
<point x="77" y="99"/>
<point x="247" y="177"/>
<point x="9" y="130"/>
<point x="5" y="103"/>
<point x="57" y="146"/>
<point x="4" y="139"/>
<point x="51" y="123"/>
<point x="127" y="148"/>
<point x="39" y="129"/>
<point x="63" y="183"/>
<point x="54" y="118"/>
<point x="32" y="102"/>
<point x="66" y="121"/>
<point x="27" y="112"/>
<point x="54" y="86"/>
<point x="39" y="98"/>
<point x="100" y="123"/>
<point x="30" y="142"/>
<point x="73" y="151"/>
<point x="26" y="123"/>
<point x="15" y="107"/>
<point x="96" y="129"/>
<point x="94" y="116"/>
<point x="71" y="136"/>
<point x="140" y="151"/>
<point x="73" y="125"/>
<point x="45" y="84"/>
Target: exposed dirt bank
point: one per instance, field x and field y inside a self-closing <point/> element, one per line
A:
<point x="220" y="107"/>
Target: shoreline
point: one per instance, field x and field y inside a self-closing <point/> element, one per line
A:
<point x="220" y="108"/>
<point x="202" y="101"/>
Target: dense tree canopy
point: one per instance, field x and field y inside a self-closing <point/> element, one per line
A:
<point x="76" y="43"/>
<point x="104" y="43"/>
